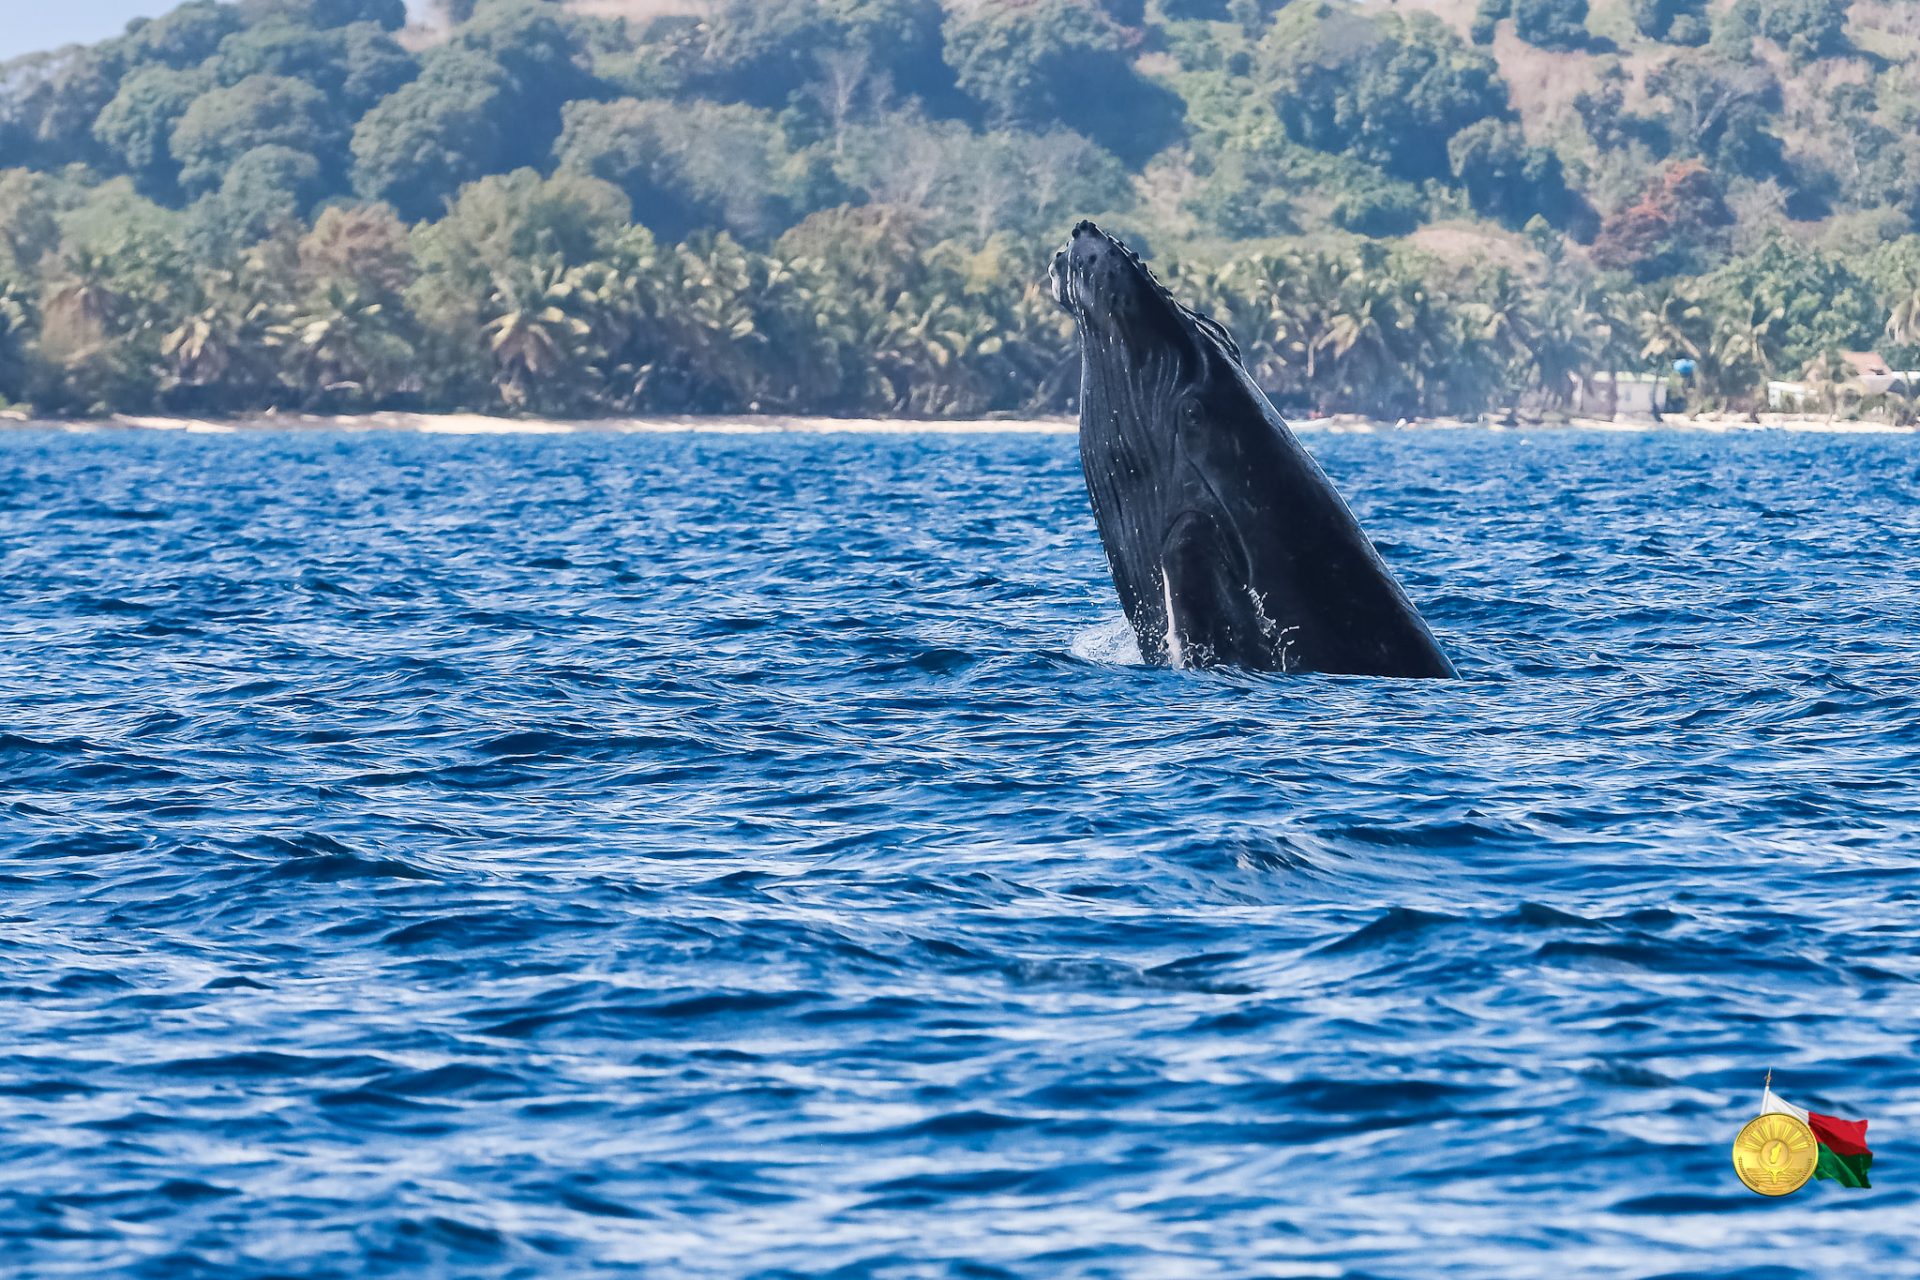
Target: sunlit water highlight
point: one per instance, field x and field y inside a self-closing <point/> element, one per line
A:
<point x="754" y="855"/>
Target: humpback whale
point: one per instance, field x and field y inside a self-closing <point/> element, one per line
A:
<point x="1229" y="546"/>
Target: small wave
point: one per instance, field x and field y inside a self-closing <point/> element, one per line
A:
<point x="1396" y="925"/>
<point x="332" y="868"/>
<point x="271" y="1064"/>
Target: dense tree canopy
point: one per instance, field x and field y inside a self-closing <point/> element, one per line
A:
<point x="1034" y="63"/>
<point x="1391" y="89"/>
<point x="29" y="230"/>
<point x="842" y="204"/>
<point x="226" y="123"/>
<point x="137" y="127"/>
<point x="267" y="187"/>
<point x="185" y="37"/>
<point x="430" y="137"/>
<point x="390" y="15"/>
<point x="1804" y="28"/>
<point x="1551" y="24"/>
<point x="765" y="52"/>
<point x="694" y="166"/>
<point x="355" y="66"/>
<point x="1507" y="178"/>
<point x="1677" y="21"/>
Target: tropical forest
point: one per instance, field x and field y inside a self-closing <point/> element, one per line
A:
<point x="846" y="207"/>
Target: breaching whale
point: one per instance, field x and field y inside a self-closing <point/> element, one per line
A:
<point x="1229" y="546"/>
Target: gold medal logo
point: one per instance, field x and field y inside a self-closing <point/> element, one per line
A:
<point x="1775" y="1154"/>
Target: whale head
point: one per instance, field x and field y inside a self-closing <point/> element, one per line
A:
<point x="1122" y="308"/>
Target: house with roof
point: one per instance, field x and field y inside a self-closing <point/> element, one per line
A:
<point x="1867" y="375"/>
<point x="1873" y="376"/>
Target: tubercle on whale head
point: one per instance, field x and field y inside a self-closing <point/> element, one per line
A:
<point x="1105" y="286"/>
<point x="1101" y="281"/>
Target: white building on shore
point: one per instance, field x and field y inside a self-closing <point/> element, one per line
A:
<point x="1633" y="396"/>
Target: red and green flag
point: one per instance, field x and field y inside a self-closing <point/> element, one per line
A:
<point x="1843" y="1143"/>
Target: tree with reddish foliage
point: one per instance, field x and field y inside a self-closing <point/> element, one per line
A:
<point x="1679" y="225"/>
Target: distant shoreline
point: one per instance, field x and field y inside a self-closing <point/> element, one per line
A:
<point x="476" y="424"/>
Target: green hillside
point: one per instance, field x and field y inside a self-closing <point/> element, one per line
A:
<point x="843" y="206"/>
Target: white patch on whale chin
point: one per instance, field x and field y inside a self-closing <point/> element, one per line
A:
<point x="1176" y="652"/>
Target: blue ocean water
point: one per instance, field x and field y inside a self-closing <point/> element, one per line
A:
<point x="719" y="856"/>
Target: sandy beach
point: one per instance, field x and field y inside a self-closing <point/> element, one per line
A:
<point x="762" y="424"/>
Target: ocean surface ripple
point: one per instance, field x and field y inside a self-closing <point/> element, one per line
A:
<point x="721" y="856"/>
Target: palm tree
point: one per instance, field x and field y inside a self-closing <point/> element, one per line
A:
<point x="343" y="343"/>
<point x="534" y="337"/>
<point x="1354" y="341"/>
<point x="1570" y="335"/>
<point x="1038" y="352"/>
<point x="79" y="309"/>
<point x="1903" y="323"/>
<point x="1370" y="323"/>
<point x="200" y="350"/>
<point x="1827" y="376"/>
<point x="1742" y="343"/>
<point x="1316" y="298"/>
<point x="1470" y="374"/>
<point x="1275" y="305"/>
<point x="1504" y="311"/>
<point x="15" y="320"/>
<point x="1669" y="320"/>
<point x="1502" y="322"/>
